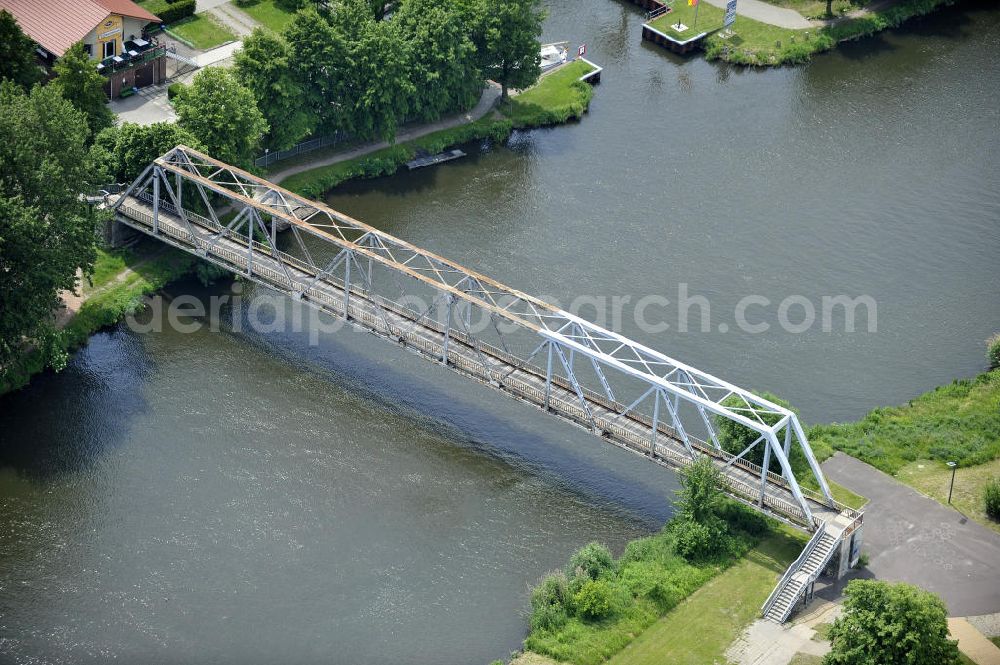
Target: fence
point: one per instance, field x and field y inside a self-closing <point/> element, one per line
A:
<point x="273" y="156"/>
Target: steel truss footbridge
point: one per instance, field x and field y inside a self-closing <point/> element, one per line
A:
<point x="621" y="391"/>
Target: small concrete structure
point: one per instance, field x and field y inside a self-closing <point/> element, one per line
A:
<point x="680" y="46"/>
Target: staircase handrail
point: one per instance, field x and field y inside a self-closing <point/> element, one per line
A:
<point x="794" y="568"/>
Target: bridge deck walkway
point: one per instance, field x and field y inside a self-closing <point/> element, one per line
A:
<point x="469" y="356"/>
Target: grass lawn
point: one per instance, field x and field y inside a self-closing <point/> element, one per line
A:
<point x="201" y="31"/>
<point x="931" y="477"/>
<point x="269" y="14"/>
<point x="556" y="98"/>
<point x="756" y="43"/>
<point x="107" y="266"/>
<point x="752" y="42"/>
<point x="815" y="8"/>
<point x="958" y="422"/>
<point x="701" y="628"/>
<point x="806" y="659"/>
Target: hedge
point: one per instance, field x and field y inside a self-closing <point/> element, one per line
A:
<point x="171" y="12"/>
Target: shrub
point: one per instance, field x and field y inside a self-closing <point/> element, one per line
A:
<point x="171" y="12"/>
<point x="659" y="549"/>
<point x="991" y="499"/>
<point x="993" y="350"/>
<point x="594" y="600"/>
<point x="594" y="560"/>
<point x="699" y="496"/>
<point x="694" y="539"/>
<point x="549" y="602"/>
<point x="174" y="89"/>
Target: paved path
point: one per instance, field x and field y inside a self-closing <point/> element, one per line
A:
<point x="973" y="643"/>
<point x="217" y="55"/>
<point x="765" y="13"/>
<point x="485" y="105"/>
<point x="205" y="5"/>
<point x="148" y="106"/>
<point x="912" y="538"/>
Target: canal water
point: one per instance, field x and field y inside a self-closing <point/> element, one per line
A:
<point x="246" y="497"/>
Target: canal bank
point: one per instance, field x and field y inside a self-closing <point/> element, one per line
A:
<point x="249" y="497"/>
<point x="687" y="28"/>
<point x="560" y="96"/>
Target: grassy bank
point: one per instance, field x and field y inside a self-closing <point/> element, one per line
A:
<point x="557" y="98"/>
<point x="121" y="279"/>
<point x="756" y="43"/>
<point x="730" y="591"/>
<point x="959" y="422"/>
<point x="596" y="607"/>
<point x="728" y="604"/>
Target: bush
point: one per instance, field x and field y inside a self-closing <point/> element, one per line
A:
<point x="171" y="12"/>
<point x="694" y="540"/>
<point x="174" y="89"/>
<point x="993" y="350"/>
<point x="594" y="600"/>
<point x="593" y="560"/>
<point x="991" y="499"/>
<point x="549" y="603"/>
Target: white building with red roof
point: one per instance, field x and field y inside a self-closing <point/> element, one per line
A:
<point x="112" y="32"/>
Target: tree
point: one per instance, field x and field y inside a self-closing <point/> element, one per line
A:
<point x="890" y="624"/>
<point x="78" y="81"/>
<point x="262" y="66"/>
<point x="130" y="148"/>
<point x="699" y="497"/>
<point x="222" y="114"/>
<point x="383" y="81"/>
<point x="509" y="48"/>
<point x="17" y="54"/>
<point x="734" y="437"/>
<point x="46" y="231"/>
<point x="443" y="60"/>
<point x="323" y="69"/>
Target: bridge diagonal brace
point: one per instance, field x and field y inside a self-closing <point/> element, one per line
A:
<point x="679" y="426"/>
<point x="603" y="380"/>
<point x="275" y="253"/>
<point x="327" y="271"/>
<point x="369" y="283"/>
<point x="634" y="404"/>
<point x="180" y="211"/>
<point x="236" y="222"/>
<point x="576" y="385"/>
<point x="745" y="451"/>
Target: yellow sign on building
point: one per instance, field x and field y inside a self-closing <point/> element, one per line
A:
<point x="109" y="37"/>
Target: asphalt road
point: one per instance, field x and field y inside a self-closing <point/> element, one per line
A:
<point x="911" y="538"/>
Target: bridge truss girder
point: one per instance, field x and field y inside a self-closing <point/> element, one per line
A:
<point x="333" y="246"/>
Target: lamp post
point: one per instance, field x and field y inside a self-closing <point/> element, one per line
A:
<point x="953" y="465"/>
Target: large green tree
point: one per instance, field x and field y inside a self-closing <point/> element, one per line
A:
<point x="322" y="67"/>
<point x="443" y="60"/>
<point x="78" y="81"/>
<point x="46" y="231"/>
<point x="17" y="54"/>
<point x="891" y="624"/>
<point x="262" y="65"/>
<point x="127" y="150"/>
<point x="382" y="71"/>
<point x="509" y="50"/>
<point x="222" y="114"/>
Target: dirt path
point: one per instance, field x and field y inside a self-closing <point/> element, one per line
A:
<point x="233" y="18"/>
<point x="486" y="103"/>
<point x="72" y="301"/>
<point x="877" y="6"/>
